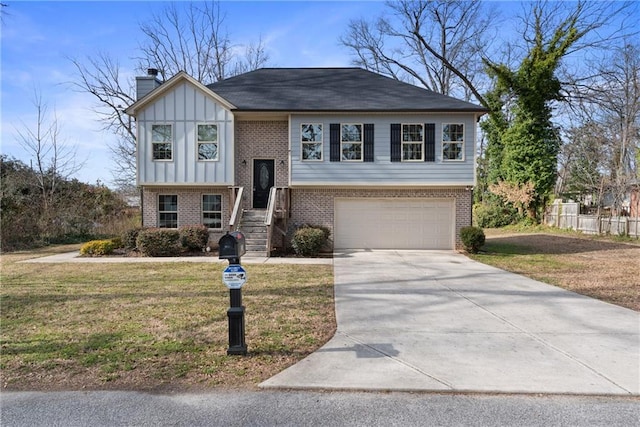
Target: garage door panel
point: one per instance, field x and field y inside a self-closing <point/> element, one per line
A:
<point x="394" y="224"/>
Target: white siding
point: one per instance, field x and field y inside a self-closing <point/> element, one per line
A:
<point x="382" y="171"/>
<point x="184" y="108"/>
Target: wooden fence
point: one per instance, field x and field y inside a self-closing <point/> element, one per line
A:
<point x="567" y="215"/>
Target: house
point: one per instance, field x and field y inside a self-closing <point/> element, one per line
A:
<point x="381" y="163"/>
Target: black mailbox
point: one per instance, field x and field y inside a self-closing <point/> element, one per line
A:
<point x="232" y="245"/>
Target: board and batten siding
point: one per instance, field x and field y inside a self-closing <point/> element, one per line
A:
<point x="382" y="171"/>
<point x="184" y="107"/>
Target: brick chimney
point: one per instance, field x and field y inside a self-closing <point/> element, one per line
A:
<point x="145" y="84"/>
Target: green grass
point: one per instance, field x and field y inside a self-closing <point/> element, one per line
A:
<point x="154" y="326"/>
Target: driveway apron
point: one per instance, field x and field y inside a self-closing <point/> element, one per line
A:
<point x="438" y="321"/>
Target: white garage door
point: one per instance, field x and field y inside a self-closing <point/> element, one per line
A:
<point x="394" y="224"/>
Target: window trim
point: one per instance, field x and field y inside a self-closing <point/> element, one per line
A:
<point x="361" y="142"/>
<point x="403" y="143"/>
<point x="153" y="143"/>
<point x="462" y="143"/>
<point x="217" y="142"/>
<point x="202" y="211"/>
<point x="321" y="142"/>
<point x="167" y="212"/>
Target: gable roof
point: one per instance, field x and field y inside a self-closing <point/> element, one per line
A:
<point x="167" y="86"/>
<point x="331" y="89"/>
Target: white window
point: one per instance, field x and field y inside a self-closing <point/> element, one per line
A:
<point x="162" y="142"/>
<point x="412" y="142"/>
<point x="212" y="211"/>
<point x="168" y="211"/>
<point x="311" y="140"/>
<point x="453" y="142"/>
<point x="208" y="142"/>
<point x="351" y="142"/>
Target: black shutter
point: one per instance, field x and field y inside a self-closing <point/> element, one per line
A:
<point x="334" y="142"/>
<point x="429" y="142"/>
<point x="368" y="142"/>
<point x="396" y="142"/>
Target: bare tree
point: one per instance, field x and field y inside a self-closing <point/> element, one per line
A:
<point x="55" y="160"/>
<point x="438" y="44"/>
<point x="618" y="101"/>
<point x="255" y="56"/>
<point x="610" y="108"/>
<point x="441" y="44"/>
<point x="194" y="42"/>
<point x="189" y="38"/>
<point x="102" y="78"/>
<point x="194" y="39"/>
<point x="3" y="12"/>
<point x="581" y="162"/>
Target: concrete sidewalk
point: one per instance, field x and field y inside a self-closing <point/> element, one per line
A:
<point x="438" y="321"/>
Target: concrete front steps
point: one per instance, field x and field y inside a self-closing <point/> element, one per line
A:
<point x="255" y="232"/>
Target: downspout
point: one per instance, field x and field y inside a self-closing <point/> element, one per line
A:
<point x="141" y="207"/>
<point x="471" y="203"/>
<point x="289" y="153"/>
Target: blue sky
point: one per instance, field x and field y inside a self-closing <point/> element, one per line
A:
<point x="38" y="37"/>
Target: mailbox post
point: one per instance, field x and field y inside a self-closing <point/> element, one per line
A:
<point x="231" y="247"/>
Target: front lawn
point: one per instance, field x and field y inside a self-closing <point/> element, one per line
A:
<point x="160" y="326"/>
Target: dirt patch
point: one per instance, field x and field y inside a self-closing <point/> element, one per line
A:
<point x="559" y="245"/>
<point x="595" y="267"/>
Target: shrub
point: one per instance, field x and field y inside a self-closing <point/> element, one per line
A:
<point x="97" y="247"/>
<point x="158" y="242"/>
<point x="494" y="214"/>
<point x="130" y="237"/>
<point x="308" y="240"/>
<point x="325" y="231"/>
<point x="472" y="238"/>
<point x="117" y="242"/>
<point x="194" y="237"/>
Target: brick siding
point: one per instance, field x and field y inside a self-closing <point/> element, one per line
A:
<point x="316" y="206"/>
<point x="189" y="207"/>
<point x="261" y="140"/>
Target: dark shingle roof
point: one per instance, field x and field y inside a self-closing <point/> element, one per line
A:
<point x="331" y="89"/>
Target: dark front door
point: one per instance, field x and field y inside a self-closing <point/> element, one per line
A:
<point x="263" y="180"/>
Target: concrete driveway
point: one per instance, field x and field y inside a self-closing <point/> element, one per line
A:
<point x="438" y="321"/>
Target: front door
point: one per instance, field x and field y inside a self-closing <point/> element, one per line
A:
<point x="263" y="180"/>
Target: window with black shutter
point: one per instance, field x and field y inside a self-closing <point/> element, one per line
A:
<point x="396" y="142"/>
<point x="334" y="142"/>
<point x="351" y="142"/>
<point x="413" y="142"/>
<point x="429" y="142"/>
<point x="368" y="142"/>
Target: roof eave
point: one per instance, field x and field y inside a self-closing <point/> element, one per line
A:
<point x="479" y="111"/>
